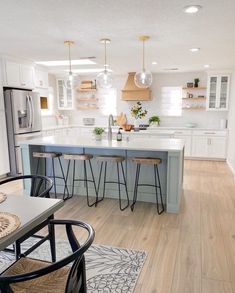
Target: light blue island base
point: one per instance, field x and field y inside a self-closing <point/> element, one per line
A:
<point x="171" y="170"/>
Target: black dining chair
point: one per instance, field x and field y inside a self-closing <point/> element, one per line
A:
<point x="39" y="186"/>
<point x="32" y="276"/>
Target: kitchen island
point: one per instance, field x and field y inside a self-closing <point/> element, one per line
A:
<point x="171" y="152"/>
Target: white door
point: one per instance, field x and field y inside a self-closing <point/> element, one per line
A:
<point x="4" y="155"/>
<point x="223" y="92"/>
<point x="13" y="74"/>
<point x="213" y="87"/>
<point x="199" y="146"/>
<point x="217" y="147"/>
<point x="27" y="76"/>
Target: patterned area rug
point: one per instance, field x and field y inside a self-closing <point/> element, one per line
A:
<point x="109" y="269"/>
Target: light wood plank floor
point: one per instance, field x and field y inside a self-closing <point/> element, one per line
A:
<point x="192" y="252"/>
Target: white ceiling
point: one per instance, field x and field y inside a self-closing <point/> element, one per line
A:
<point x="36" y="30"/>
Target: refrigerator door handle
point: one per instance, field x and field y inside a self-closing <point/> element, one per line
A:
<point x="28" y="107"/>
<point x="32" y="111"/>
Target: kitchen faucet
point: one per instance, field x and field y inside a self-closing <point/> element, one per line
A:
<point x="110" y="127"/>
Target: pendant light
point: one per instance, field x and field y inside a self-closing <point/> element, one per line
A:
<point x="69" y="82"/>
<point x="143" y="78"/>
<point x="104" y="78"/>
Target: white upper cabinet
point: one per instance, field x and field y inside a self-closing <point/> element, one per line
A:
<point x="41" y="78"/>
<point x="18" y="75"/>
<point x="64" y="96"/>
<point x="218" y="92"/>
<point x="27" y="76"/>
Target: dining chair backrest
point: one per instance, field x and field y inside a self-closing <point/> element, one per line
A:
<point x="39" y="185"/>
<point x="76" y="278"/>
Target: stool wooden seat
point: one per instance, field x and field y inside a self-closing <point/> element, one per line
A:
<point x="78" y="157"/>
<point x="46" y="155"/>
<point x="118" y="160"/>
<point x="86" y="159"/>
<point x="148" y="161"/>
<point x="52" y="156"/>
<point x="157" y="184"/>
<point x="110" y="158"/>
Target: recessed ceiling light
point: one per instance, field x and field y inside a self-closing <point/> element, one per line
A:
<point x="192" y="9"/>
<point x="154" y="63"/>
<point x="206" y="65"/>
<point x="194" y="49"/>
<point x="66" y="62"/>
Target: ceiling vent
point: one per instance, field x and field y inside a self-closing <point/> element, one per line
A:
<point x="133" y="93"/>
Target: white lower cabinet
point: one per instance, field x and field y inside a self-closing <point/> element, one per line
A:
<point x="209" y="144"/>
<point x="4" y="155"/>
<point x="187" y="140"/>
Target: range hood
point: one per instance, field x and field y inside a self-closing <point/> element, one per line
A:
<point x="133" y="93"/>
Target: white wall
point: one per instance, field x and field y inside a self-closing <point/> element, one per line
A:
<point x="202" y="118"/>
<point x="231" y="126"/>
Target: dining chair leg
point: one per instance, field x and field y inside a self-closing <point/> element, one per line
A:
<point x="51" y="230"/>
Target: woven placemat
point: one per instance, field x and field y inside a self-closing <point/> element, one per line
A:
<point x="3" y="197"/>
<point x="8" y="223"/>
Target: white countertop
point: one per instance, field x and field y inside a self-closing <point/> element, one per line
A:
<point x="149" y="129"/>
<point x="152" y="144"/>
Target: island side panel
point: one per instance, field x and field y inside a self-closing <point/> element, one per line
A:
<point x="174" y="181"/>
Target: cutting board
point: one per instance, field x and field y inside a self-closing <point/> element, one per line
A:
<point x="121" y="119"/>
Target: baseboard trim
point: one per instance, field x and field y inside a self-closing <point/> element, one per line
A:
<point x="231" y="168"/>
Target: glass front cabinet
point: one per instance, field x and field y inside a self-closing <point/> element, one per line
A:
<point x="218" y="92"/>
<point x="64" y="95"/>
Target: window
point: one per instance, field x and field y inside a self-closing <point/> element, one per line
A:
<point x="171" y="101"/>
<point x="108" y="101"/>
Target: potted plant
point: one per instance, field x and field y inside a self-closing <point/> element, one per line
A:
<point x="154" y="120"/>
<point x="196" y="82"/>
<point x="138" y="113"/>
<point x="98" y="133"/>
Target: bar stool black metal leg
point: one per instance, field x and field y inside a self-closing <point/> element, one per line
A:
<point x="160" y="189"/>
<point x="74" y="162"/>
<point x="37" y="168"/>
<point x="86" y="183"/>
<point x="136" y="186"/>
<point x="53" y="175"/>
<point x="66" y="181"/>
<point x="93" y="179"/>
<point x="105" y="170"/>
<point x="119" y="187"/>
<point x="124" y="180"/>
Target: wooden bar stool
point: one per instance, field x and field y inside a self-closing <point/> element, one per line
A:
<point x="148" y="161"/>
<point x="52" y="156"/>
<point x="118" y="160"/>
<point x="85" y="158"/>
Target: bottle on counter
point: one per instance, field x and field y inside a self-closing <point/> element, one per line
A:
<point x="119" y="135"/>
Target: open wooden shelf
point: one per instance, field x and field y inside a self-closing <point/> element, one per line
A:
<point x="194" y="99"/>
<point x="92" y="100"/>
<point x="195" y="88"/>
<point x="85" y="90"/>
<point x="87" y="107"/>
<point x="193" y="108"/>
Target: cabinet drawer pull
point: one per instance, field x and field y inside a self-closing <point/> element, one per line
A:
<point x="209" y="132"/>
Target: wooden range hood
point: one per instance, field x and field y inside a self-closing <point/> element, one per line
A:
<point x="133" y="93"/>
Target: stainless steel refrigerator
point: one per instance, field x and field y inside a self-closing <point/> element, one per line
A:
<point x="23" y="117"/>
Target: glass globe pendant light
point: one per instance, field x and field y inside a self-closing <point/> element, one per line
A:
<point x="69" y="81"/>
<point x="143" y="78"/>
<point x="104" y="79"/>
